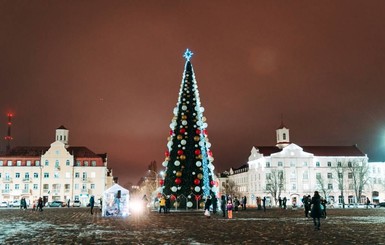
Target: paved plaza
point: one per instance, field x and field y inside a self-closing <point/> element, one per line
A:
<point x="78" y="226"/>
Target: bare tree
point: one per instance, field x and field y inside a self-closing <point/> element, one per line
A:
<point x="360" y="175"/>
<point x="231" y="188"/>
<point x="323" y="186"/>
<point x="275" y="183"/>
<point x="340" y="169"/>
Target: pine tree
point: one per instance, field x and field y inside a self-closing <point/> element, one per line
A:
<point x="189" y="176"/>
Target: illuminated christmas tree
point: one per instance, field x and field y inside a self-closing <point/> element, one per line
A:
<point x="189" y="176"/>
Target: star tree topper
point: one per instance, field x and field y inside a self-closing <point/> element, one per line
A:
<point x="188" y="54"/>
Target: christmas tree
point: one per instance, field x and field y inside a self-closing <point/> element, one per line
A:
<point x="189" y="176"/>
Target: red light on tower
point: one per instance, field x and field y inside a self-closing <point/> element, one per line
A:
<point x="8" y="138"/>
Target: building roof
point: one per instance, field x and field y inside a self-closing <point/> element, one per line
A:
<point x="331" y="151"/>
<point x="37" y="151"/>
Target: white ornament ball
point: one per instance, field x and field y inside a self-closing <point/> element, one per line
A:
<point x="189" y="204"/>
<point x="197" y="188"/>
<point x="176" y="163"/>
<point x="173" y="189"/>
<point x="198" y="163"/>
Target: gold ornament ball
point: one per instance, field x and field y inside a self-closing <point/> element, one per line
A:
<point x="182" y="157"/>
<point x="196" y="138"/>
<point x="178" y="174"/>
<point x="179" y="137"/>
<point x="201" y="204"/>
<point x="200" y="176"/>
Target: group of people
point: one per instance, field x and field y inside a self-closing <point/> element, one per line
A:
<point x="315" y="207"/>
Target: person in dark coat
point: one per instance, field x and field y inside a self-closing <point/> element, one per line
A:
<point x="207" y="206"/>
<point x="215" y="204"/>
<point x="316" y="211"/>
<point x="223" y="205"/>
<point x="306" y="203"/>
<point x="40" y="204"/>
<point x="92" y="204"/>
<point x="264" y="204"/>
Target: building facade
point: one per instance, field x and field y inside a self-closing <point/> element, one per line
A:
<point x="58" y="172"/>
<point x="289" y="171"/>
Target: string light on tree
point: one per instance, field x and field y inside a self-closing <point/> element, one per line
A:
<point x="189" y="169"/>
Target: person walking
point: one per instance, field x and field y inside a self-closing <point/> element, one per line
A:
<point x="68" y="202"/>
<point x="306" y="204"/>
<point x="229" y="208"/>
<point x="92" y="204"/>
<point x="367" y="202"/>
<point x="316" y="211"/>
<point x="168" y="204"/>
<point x="40" y="204"/>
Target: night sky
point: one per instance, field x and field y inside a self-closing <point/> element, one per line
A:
<point x="110" y="72"/>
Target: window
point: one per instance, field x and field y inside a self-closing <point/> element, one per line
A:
<point x="18" y="163"/>
<point x="84" y="175"/>
<point x="68" y="175"/>
<point x="93" y="174"/>
<point x="46" y="175"/>
<point x="29" y="163"/>
<point x="26" y="176"/>
<point x="284" y="136"/>
<point x="305" y="175"/>
<point x="46" y="163"/>
<point x="339" y="164"/>
<point x="292" y="164"/>
<point x="84" y="187"/>
<point x="1" y="163"/>
<point x="45" y="187"/>
<point x="35" y="186"/>
<point x="67" y="187"/>
<point x="267" y="164"/>
<point x="56" y="175"/>
<point x="305" y="164"/>
<point x="330" y="186"/>
<point x="86" y="163"/>
<point x="17" y="175"/>
<point x="330" y="176"/>
<point x="76" y="186"/>
<point x="37" y="163"/>
<point x="57" y="164"/>
<point x="9" y="163"/>
<point x="93" y="163"/>
<point x="318" y="175"/>
<point x="35" y="175"/>
<point x="349" y="164"/>
<point x="26" y="186"/>
<point x="280" y="164"/>
<point x="317" y="164"/>
<point x="350" y="175"/>
<point x="17" y="187"/>
<point x="68" y="163"/>
<point x="340" y="176"/>
<point x="293" y="187"/>
<point x="329" y="164"/>
<point x="92" y="186"/>
<point x="77" y="175"/>
<point x="78" y="163"/>
<point x="268" y="176"/>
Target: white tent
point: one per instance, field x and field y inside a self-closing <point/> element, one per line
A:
<point x="115" y="201"/>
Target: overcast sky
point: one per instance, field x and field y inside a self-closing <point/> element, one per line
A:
<point x="110" y="72"/>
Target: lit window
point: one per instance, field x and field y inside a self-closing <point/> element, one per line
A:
<point x="18" y="163"/>
<point x="28" y="163"/>
<point x="68" y="163"/>
<point x="93" y="163"/>
<point x="37" y="163"/>
<point x="9" y="163"/>
<point x="86" y="163"/>
<point x="46" y="163"/>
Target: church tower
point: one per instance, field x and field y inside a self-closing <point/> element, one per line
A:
<point x="283" y="138"/>
<point x="62" y="135"/>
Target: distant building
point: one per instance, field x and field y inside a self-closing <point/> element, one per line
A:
<point x="59" y="172"/>
<point x="288" y="170"/>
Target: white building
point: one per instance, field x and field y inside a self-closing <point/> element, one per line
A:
<point x="295" y="171"/>
<point x="59" y="172"/>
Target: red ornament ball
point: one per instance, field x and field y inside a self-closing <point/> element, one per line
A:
<point x="197" y="181"/>
<point x="178" y="181"/>
<point x="180" y="152"/>
<point x="197" y="152"/>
